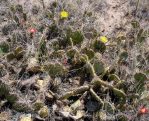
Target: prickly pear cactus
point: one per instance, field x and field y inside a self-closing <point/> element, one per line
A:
<point x="71" y="52"/>
<point x="123" y="56"/>
<point x="70" y="67"/>
<point x="18" y="53"/>
<point x="89" y="52"/>
<point x="77" y="37"/>
<point x="99" y="67"/>
<point x="4" y="47"/>
<point x="4" y="90"/>
<point x="140" y="79"/>
<point x="99" y="46"/>
<point x="5" y="93"/>
<point x="55" y="69"/>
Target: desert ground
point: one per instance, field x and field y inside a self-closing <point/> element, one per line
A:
<point x="74" y="60"/>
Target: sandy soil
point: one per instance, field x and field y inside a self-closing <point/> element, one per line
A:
<point x="110" y="15"/>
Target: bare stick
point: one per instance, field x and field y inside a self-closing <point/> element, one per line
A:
<point x="75" y="92"/>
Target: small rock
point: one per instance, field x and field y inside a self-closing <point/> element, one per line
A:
<point x="76" y="105"/>
<point x="39" y="84"/>
<point x="49" y="97"/>
<point x="26" y="118"/>
<point x="32" y="62"/>
<point x="102" y="116"/>
<point x="44" y="112"/>
<point x="54" y="107"/>
<point x="79" y="115"/>
<point x="65" y="114"/>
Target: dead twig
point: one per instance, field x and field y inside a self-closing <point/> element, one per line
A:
<point x="75" y="92"/>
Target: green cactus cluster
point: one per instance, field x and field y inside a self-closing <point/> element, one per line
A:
<point x="88" y="60"/>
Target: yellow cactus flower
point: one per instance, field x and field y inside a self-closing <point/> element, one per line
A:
<point x="64" y="14"/>
<point x="103" y="39"/>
